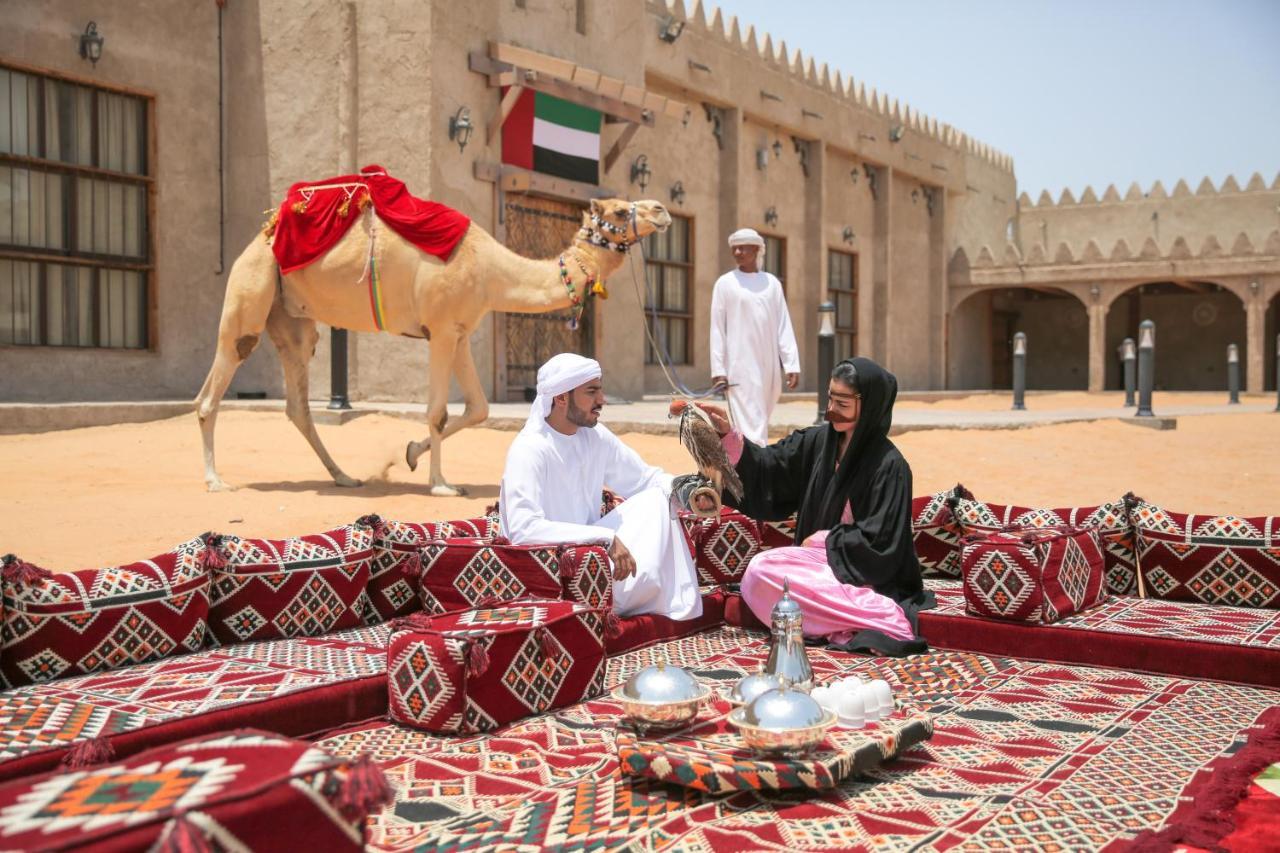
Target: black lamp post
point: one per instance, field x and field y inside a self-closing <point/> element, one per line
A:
<point x="1129" y="357"/>
<point x="338" y="398"/>
<point x="1019" y="371"/>
<point x="1146" y="367"/>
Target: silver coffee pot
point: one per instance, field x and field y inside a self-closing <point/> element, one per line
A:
<point x="787" y="655"/>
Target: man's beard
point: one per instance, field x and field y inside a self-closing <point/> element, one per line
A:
<point x="580" y="417"/>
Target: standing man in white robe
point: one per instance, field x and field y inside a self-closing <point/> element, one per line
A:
<point x="751" y="338"/>
<point x="557" y="468"/>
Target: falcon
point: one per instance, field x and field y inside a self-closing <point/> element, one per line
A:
<point x="700" y="438"/>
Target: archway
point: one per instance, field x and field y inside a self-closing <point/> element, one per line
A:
<point x="980" y="339"/>
<point x="1195" y="322"/>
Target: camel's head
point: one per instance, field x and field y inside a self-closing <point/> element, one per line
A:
<point x="623" y="222"/>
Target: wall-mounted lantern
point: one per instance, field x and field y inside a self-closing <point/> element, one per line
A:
<point x="91" y="43"/>
<point x="460" y="127"/>
<point x="672" y="27"/>
<point x="640" y="172"/>
<point x="771" y="215"/>
<point x="762" y="159"/>
<point x="895" y="133"/>
<point x="847" y="234"/>
<point x="677" y="192"/>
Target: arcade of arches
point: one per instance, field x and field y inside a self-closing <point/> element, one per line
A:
<point x="1075" y="333"/>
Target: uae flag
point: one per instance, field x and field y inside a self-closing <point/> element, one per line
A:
<point x="553" y="136"/>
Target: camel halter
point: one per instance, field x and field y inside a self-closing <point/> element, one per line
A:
<point x="593" y="236"/>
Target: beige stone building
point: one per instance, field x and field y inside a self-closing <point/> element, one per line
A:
<point x="129" y="184"/>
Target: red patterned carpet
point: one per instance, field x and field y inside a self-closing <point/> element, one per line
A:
<point x="1024" y="756"/>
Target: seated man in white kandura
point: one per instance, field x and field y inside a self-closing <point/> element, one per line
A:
<point x="557" y="468"/>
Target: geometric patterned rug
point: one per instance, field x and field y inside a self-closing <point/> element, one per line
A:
<point x="43" y="716"/>
<point x="1025" y="755"/>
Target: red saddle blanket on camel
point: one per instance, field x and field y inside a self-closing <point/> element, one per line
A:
<point x="314" y="216"/>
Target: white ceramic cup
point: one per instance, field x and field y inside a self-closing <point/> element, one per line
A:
<point x="883" y="694"/>
<point x="852" y="709"/>
<point x="826" y="697"/>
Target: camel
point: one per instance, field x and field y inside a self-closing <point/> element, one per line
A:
<point x="423" y="297"/>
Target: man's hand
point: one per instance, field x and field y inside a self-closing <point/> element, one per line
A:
<point x="793" y="379"/>
<point x="624" y="565"/>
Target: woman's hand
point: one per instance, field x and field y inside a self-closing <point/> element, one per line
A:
<point x="719" y="418"/>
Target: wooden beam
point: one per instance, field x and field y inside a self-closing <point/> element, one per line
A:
<point x="499" y="117"/>
<point x="531" y="79"/>
<point x="517" y="180"/>
<point x="1195" y="286"/>
<point x="623" y="140"/>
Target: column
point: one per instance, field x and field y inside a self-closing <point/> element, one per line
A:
<point x="731" y="156"/>
<point x="1097" y="345"/>
<point x="882" y="216"/>
<point x="814" y="291"/>
<point x="1255" y="323"/>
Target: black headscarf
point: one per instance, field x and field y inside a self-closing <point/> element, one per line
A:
<point x="799" y="475"/>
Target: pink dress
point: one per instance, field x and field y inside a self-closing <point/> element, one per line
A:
<point x="831" y="609"/>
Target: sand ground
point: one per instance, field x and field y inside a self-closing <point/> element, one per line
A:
<point x="108" y="495"/>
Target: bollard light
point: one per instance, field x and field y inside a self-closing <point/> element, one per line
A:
<point x="1146" y="367"/>
<point x="826" y="354"/>
<point x="1129" y="355"/>
<point x="1233" y="375"/>
<point x="1019" y="371"/>
<point x="338" y="369"/>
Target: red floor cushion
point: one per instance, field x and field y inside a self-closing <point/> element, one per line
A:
<point x="299" y="587"/>
<point x="936" y="533"/>
<point x="466" y="572"/>
<point x="397" y="560"/>
<point x="475" y="670"/>
<point x="1111" y="519"/>
<point x="239" y="790"/>
<point x="1217" y="559"/>
<point x="723" y="546"/>
<point x="1033" y="575"/>
<point x="74" y="623"/>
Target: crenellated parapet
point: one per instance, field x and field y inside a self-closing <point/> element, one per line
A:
<point x="761" y="47"/>
<point x="1157" y="192"/>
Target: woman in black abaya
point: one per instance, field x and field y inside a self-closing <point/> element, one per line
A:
<point x="853" y="570"/>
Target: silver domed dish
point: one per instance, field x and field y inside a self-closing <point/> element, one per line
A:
<point x="752" y="685"/>
<point x="661" y="696"/>
<point x="782" y="721"/>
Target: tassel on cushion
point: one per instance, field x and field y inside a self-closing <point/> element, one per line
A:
<point x="86" y="753"/>
<point x="547" y="642"/>
<point x="491" y="509"/>
<point x="566" y="562"/>
<point x="365" y="788"/>
<point x="412" y="563"/>
<point x="20" y="573"/>
<point x="961" y="493"/>
<point x="183" y="836"/>
<point x="212" y="557"/>
<point x="501" y="540"/>
<point x="373" y="522"/>
<point x="477" y="658"/>
<point x="412" y="622"/>
<point x="612" y="625"/>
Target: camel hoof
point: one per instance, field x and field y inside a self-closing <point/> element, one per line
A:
<point x="347" y="482"/>
<point x="219" y="486"/>
<point x="447" y="491"/>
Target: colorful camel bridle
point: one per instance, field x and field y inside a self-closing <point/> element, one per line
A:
<point x="595" y="236"/>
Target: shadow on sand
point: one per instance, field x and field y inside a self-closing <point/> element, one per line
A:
<point x="371" y="489"/>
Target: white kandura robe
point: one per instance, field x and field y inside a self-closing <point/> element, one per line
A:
<point x="551" y="494"/>
<point x="751" y="337"/>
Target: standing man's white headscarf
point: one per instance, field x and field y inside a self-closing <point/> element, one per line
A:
<point x="561" y="373"/>
<point x="747" y="237"/>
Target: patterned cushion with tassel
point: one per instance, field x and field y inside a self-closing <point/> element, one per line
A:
<point x="75" y="623"/>
<point x="237" y="790"/>
<point x="476" y="670"/>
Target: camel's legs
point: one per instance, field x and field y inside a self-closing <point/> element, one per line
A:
<point x="444" y="350"/>
<point x="295" y="339"/>
<point x="250" y="292"/>
<point x="477" y="407"/>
